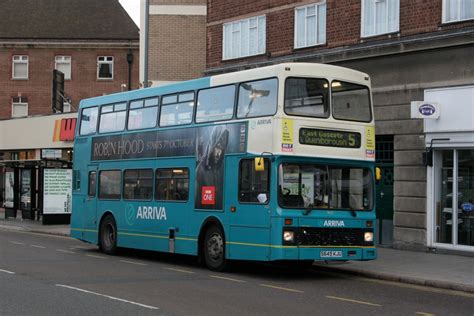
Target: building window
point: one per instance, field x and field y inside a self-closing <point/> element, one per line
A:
<point x="454" y="201"/>
<point x="63" y="64"/>
<point x="20" y="67"/>
<point x="19" y="107"/>
<point x="172" y="184"/>
<point x="244" y="38"/>
<point x="457" y="10"/>
<point x="310" y="25"/>
<point x="105" y="67"/>
<point x="380" y="17"/>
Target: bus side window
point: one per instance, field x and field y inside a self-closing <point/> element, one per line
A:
<point x="254" y="186"/>
<point x="92" y="183"/>
<point x="172" y="184"/>
<point x="109" y="184"/>
<point x="177" y="109"/>
<point x="138" y="184"/>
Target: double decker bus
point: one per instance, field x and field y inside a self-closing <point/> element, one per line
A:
<point x="267" y="164"/>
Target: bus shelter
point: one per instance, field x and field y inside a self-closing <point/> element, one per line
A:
<point x="38" y="189"/>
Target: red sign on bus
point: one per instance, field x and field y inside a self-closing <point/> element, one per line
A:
<point x="208" y="195"/>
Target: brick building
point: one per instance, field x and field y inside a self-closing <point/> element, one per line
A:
<point x="176" y="40"/>
<point x="94" y="43"/>
<point x="413" y="51"/>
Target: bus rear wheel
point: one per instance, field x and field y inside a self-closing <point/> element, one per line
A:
<point x="108" y="235"/>
<point x="214" y="249"/>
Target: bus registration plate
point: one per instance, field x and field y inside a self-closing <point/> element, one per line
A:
<point x="330" y="254"/>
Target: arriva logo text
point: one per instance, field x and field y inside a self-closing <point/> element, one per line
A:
<point x="151" y="212"/>
<point x="328" y="223"/>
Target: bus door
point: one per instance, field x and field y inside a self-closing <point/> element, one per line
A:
<point x="90" y="201"/>
<point x="248" y="199"/>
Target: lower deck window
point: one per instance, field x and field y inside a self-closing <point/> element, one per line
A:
<point x="172" y="184"/>
<point x="138" y="184"/>
<point x="109" y="184"/>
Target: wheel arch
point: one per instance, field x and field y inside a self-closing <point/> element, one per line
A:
<point x="210" y="221"/>
<point x="106" y="213"/>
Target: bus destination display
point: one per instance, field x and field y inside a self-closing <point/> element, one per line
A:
<point x="329" y="138"/>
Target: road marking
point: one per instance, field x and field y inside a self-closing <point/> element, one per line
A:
<point x="95" y="256"/>
<point x="352" y="301"/>
<point x="37" y="246"/>
<point x="424" y="314"/>
<point x="79" y="247"/>
<point x="107" y="296"/>
<point x="133" y="262"/>
<point x="228" y="279"/>
<point x="17" y="243"/>
<point x="6" y="271"/>
<point x="179" y="270"/>
<point x="65" y="251"/>
<point x="281" y="288"/>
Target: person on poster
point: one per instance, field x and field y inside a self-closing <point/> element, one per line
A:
<point x="210" y="170"/>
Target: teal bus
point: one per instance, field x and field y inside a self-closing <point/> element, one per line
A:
<point x="267" y="164"/>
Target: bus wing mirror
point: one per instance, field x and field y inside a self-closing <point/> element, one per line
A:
<point x="378" y="174"/>
<point x="259" y="164"/>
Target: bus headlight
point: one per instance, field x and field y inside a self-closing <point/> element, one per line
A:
<point x="288" y="236"/>
<point x="368" y="237"/>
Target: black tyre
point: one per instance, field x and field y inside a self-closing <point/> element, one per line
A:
<point x="214" y="249"/>
<point x="108" y="235"/>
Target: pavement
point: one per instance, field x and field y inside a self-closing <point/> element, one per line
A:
<point x="452" y="272"/>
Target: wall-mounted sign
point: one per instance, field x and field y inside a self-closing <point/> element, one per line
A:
<point x="57" y="191"/>
<point x="64" y="130"/>
<point x="51" y="153"/>
<point x="329" y="138"/>
<point x="425" y="110"/>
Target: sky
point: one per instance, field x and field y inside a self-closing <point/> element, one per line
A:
<point x="133" y="9"/>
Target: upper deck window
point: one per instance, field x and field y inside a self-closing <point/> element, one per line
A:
<point x="307" y="97"/>
<point x="177" y="109"/>
<point x="215" y="104"/>
<point x="89" y="121"/>
<point x="143" y="114"/>
<point x="350" y="102"/>
<point x="257" y="98"/>
<point x="112" y="117"/>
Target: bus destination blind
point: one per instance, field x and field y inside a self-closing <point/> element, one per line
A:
<point x="329" y="138"/>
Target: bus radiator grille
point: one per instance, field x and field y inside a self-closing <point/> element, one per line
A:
<point x="331" y="237"/>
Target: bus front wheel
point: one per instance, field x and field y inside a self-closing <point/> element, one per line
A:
<point x="108" y="235"/>
<point x="214" y="249"/>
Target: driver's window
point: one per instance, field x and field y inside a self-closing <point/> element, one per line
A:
<point x="254" y="186"/>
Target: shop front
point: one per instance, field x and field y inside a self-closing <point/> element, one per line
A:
<point x="35" y="167"/>
<point x="450" y="169"/>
